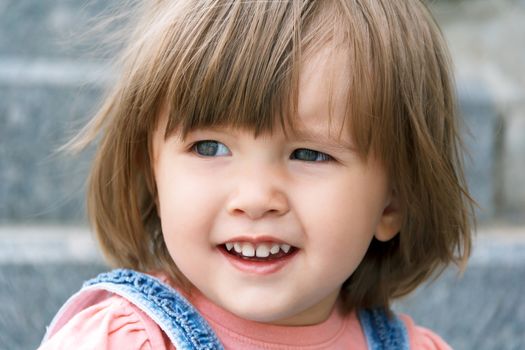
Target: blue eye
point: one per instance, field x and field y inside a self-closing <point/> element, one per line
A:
<point x="309" y="155"/>
<point x="210" y="148"/>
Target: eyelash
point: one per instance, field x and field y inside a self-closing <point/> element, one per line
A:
<point x="324" y="157"/>
<point x="195" y="145"/>
<point x="319" y="156"/>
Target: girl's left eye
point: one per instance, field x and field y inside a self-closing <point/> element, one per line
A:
<point x="210" y="148"/>
<point x="309" y="155"/>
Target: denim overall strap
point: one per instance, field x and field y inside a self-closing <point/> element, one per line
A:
<point x="383" y="332"/>
<point x="181" y="322"/>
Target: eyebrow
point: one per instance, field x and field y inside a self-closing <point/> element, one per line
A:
<point x="330" y="141"/>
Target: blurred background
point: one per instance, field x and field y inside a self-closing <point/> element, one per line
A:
<point x="51" y="82"/>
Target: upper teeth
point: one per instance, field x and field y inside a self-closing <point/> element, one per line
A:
<point x="262" y="250"/>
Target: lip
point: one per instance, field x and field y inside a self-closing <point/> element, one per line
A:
<point x="258" y="267"/>
<point x="256" y="240"/>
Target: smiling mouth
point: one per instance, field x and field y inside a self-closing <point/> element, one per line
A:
<point x="262" y="252"/>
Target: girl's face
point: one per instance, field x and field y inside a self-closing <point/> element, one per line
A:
<point x="269" y="228"/>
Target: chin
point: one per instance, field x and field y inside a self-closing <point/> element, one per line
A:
<point x="260" y="313"/>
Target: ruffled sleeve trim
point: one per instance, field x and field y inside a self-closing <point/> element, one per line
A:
<point x="113" y="323"/>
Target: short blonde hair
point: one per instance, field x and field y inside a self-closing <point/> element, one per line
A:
<point x="236" y="63"/>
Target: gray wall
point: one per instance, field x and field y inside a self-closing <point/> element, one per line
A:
<point x="50" y="84"/>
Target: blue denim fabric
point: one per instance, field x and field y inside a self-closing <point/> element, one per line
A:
<point x="181" y="322"/>
<point x="188" y="330"/>
<point x="383" y="332"/>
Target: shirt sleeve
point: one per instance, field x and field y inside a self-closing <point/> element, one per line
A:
<point x="114" y="323"/>
<point x="422" y="338"/>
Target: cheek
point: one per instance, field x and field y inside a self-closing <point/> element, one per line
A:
<point x="185" y="203"/>
<point x="340" y="218"/>
<point x="186" y="214"/>
<point x="356" y="205"/>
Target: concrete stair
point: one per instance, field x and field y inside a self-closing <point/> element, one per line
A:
<point x="52" y="76"/>
<point x="51" y="81"/>
<point x="40" y="267"/>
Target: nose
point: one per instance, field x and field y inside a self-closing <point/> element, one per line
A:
<point x="258" y="193"/>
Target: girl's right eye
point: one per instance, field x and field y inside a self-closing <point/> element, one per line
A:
<point x="210" y="148"/>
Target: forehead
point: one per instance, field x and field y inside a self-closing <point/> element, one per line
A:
<point x="321" y="109"/>
<point x="302" y="78"/>
<point x="323" y="94"/>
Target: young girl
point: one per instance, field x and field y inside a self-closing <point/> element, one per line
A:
<point x="271" y="175"/>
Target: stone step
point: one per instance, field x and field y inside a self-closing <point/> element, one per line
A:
<point x="48" y="28"/>
<point x="37" y="184"/>
<point x="49" y="85"/>
<point x="479" y="125"/>
<point x="40" y="267"/>
<point x="43" y="102"/>
<point x="51" y="78"/>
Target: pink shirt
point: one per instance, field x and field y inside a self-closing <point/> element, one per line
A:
<point x="115" y="323"/>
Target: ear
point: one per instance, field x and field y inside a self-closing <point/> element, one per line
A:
<point x="391" y="219"/>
